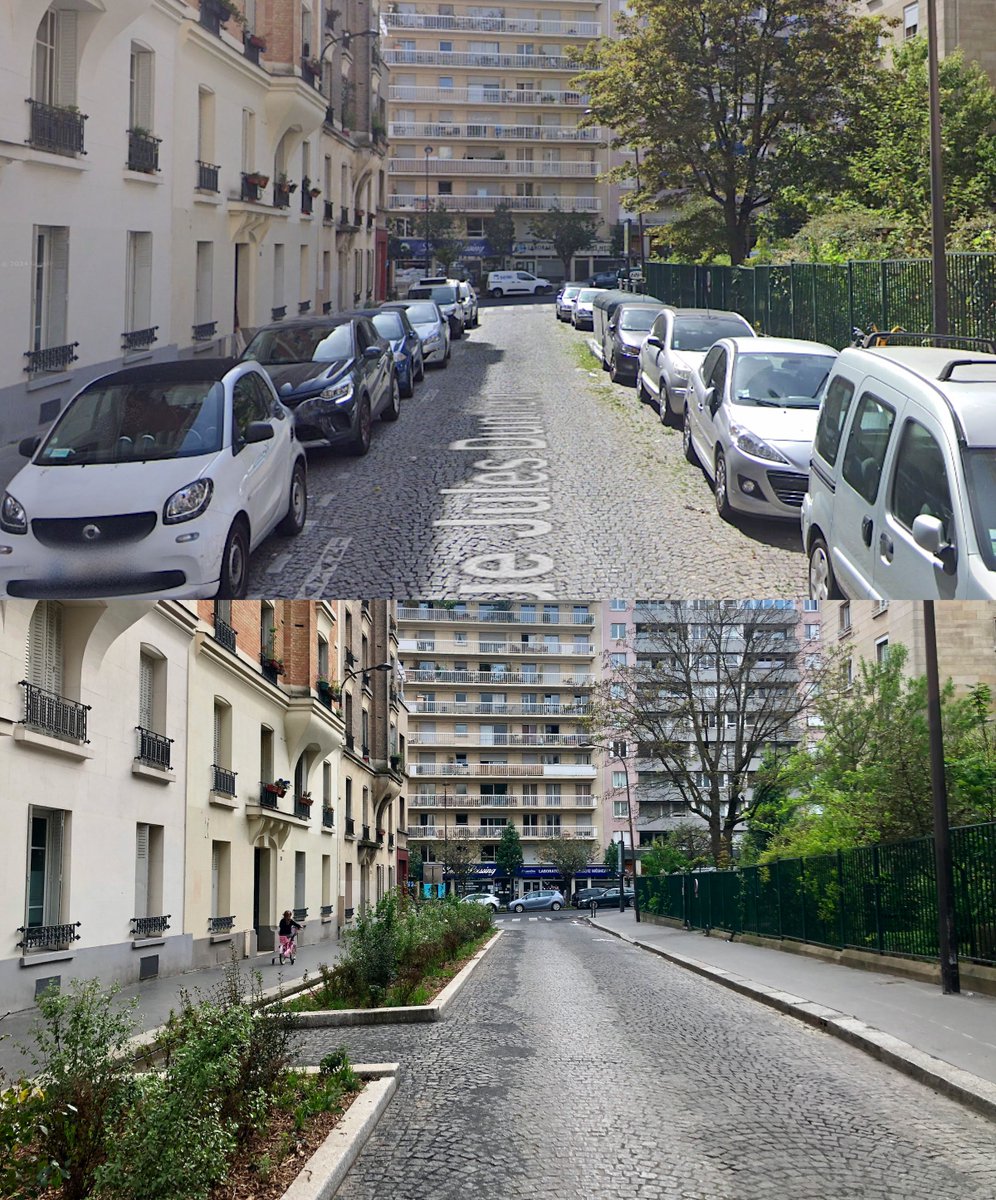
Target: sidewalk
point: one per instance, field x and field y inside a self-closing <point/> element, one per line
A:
<point x="948" y="1042"/>
<point x="158" y="997"/>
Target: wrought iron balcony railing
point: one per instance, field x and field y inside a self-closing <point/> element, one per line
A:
<point x="327" y="307"/>
<point x="278" y="313"/>
<point x="56" y="129"/>
<point x="350" y="827"/>
<point x="348" y="912"/>
<point x="365" y="834"/>
<point x="300" y="914"/>
<point x="54" y="714"/>
<point x="52" y="358"/>
<point x="302" y="808"/>
<point x="328" y="213"/>
<point x="224" y="633"/>
<point x="48" y="937"/>
<point x="250" y="190"/>
<point x="328" y="818"/>
<point x="350" y="742"/>
<point x="139" y="339"/>
<point x="144" y="927"/>
<point x="207" y="176"/>
<point x="328" y="910"/>
<point x="307" y="202"/>
<point x="303" y="306"/>
<point x="153" y="748"/>
<point x="205" y="331"/>
<point x="143" y="151"/>
<point x="221" y="924"/>
<point x="477" y="203"/>
<point x="223" y="780"/>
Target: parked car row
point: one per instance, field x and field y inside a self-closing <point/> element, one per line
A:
<point x="161" y="480"/>
<point x="886" y="452"/>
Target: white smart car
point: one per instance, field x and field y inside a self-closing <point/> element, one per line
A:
<point x="154" y="481"/>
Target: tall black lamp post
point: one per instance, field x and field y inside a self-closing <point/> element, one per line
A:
<point x="939" y="260"/>
<point x="622" y="848"/>
<point x="428" y="253"/>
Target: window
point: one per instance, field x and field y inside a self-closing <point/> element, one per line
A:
<point x="445" y="187"/>
<point x="920" y="479"/>
<point x="50" y="286"/>
<point x="617" y="605"/>
<point x="138" y="282"/>
<point x="279" y="258"/>
<point x="247" y="405"/>
<point x="882" y="650"/>
<point x="866" y="446"/>
<point x="844" y="617"/>
<point x="148" y="870"/>
<point x="617" y="660"/>
<point x="911" y="21"/>
<point x="140" y="93"/>
<point x="55" y="65"/>
<point x="618" y="779"/>
<point x="619" y="749"/>
<point x="45" y="647"/>
<point x="46" y="868"/>
<point x="299" y="879"/>
<point x="204" y="283"/>
<point x="833" y="415"/>
<point x="248" y="140"/>
<point x="221" y="875"/>
<point x="620" y="809"/>
<point x="617" y="631"/>
<point x="811" y="631"/>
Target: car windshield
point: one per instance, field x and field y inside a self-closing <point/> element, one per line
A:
<point x="441" y="294"/>
<point x="980" y="472"/>
<point x="638" y="319"/>
<point x="310" y="343"/>
<point x="423" y="314"/>
<point x="138" y="422"/>
<point x="587" y="294"/>
<point x="790" y="380"/>
<point x="699" y="333"/>
<point x="569" y="293"/>
<point x="388" y="325"/>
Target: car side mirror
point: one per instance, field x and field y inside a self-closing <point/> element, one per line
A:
<point x="372" y="352"/>
<point x="655" y="342"/>
<point x="928" y="533"/>
<point x="27" y="446"/>
<point x="257" y="431"/>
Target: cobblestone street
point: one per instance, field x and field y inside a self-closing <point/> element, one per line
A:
<point x="574" y="1065"/>
<point x="520" y="469"/>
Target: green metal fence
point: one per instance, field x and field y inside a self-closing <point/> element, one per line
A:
<point x="878" y="898"/>
<point x="825" y="301"/>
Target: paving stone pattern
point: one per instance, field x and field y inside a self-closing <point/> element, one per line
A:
<point x="626" y="513"/>
<point x="575" y="1066"/>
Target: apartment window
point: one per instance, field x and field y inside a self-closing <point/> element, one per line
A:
<point x="279" y="254"/>
<point x="323" y="657"/>
<point x="811" y="631"/>
<point x="148" y="870"/>
<point x="617" y="631"/>
<point x="221" y="879"/>
<point x="618" y="779"/>
<point x="50" y="278"/>
<point x="140" y="93"/>
<point x="349" y="886"/>
<point x="138" y="281"/>
<point x="911" y="21"/>
<point x="45" y="647"/>
<point x="266" y="754"/>
<point x="882" y="650"/>
<point x="620" y="809"/>
<point x="617" y="605"/>
<point x="222" y="734"/>
<point x="299" y="879"/>
<point x="617" y="660"/>
<point x="844" y="617"/>
<point x="46" y="868"/>
<point x="446" y="47"/>
<point x="619" y="749"/>
<point x="349" y="799"/>
<point x="445" y="187"/>
<point x="248" y="140"/>
<point x="55" y="65"/>
<point x="204" y="283"/>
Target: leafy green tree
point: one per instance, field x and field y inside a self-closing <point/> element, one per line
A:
<point x="437" y="225"/>
<point x="729" y="99"/>
<point x="663" y="857"/>
<point x="611" y="859"/>
<point x="570" y="233"/>
<point x="569" y="856"/>
<point x="457" y="853"/>
<point x="508" y="852"/>
<point x="499" y="229"/>
<point x="415" y="864"/>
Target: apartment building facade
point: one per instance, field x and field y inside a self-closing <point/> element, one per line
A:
<point x="175" y="173"/>
<point x="497" y="695"/>
<point x="965" y="25"/>
<point x="481" y="113"/>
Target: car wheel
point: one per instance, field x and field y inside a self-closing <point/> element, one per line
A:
<point x="555" y="906"/>
<point x="297" y="504"/>
<point x="822" y="581"/>
<point x="605" y="362"/>
<point x="614" y="374"/>
<point x="516" y="908"/>
<point x="686" y="440"/>
<point x="664" y="406"/>
<point x="234" y="581"/>
<point x="497" y="293"/>
<point x="409" y="388"/>
<point x="721" y="488"/>
<point x="360" y="443"/>
<point x="421" y="370"/>
<point x="393" y="410"/>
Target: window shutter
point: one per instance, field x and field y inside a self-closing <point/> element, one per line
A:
<point x="142" y="870"/>
<point x="53" y="872"/>
<point x="66" y="59"/>
<point x="217" y="737"/>
<point x="142" y="99"/>
<point x="139" y="314"/>
<point x="44" y="665"/>
<point x="54" y="332"/>
<point x="146" y="692"/>
<point x="215" y="878"/>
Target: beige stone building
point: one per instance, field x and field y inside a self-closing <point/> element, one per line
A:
<point x="965" y="25"/>
<point x="966" y="635"/>
<point x="498" y="694"/>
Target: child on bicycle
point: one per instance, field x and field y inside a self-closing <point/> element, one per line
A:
<point x="287" y="932"/>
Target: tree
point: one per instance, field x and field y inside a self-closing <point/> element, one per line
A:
<point x="508" y="852"/>
<point x="611" y="859"/>
<point x="414" y="865"/>
<point x="569" y="856"/>
<point x="662" y="858"/>
<point x="438" y="228"/>
<point x="570" y="232"/>
<point x="730" y="99"/>
<point x="715" y="684"/>
<point x="499" y="229"/>
<point x="458" y="853"/>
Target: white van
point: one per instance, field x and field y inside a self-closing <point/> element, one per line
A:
<point x="517" y="283"/>
<point x="902" y="482"/>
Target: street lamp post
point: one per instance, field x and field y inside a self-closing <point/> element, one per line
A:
<point x="939" y="260"/>
<point x="632" y="842"/>
<point x="352" y="673"/>
<point x="643" y="272"/>
<point x="428" y="263"/>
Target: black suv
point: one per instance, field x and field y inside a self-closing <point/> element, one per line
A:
<point x="334" y="373"/>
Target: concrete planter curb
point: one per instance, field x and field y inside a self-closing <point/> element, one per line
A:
<point x="403" y="1015"/>
<point x="970" y="1090"/>
<point x="325" y="1170"/>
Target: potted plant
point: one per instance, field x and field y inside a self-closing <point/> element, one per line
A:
<point x="228" y="10"/>
<point x="255" y="40"/>
<point x="314" y="192"/>
<point x="328" y="688"/>
<point x="305" y="799"/>
<point x="257" y="179"/>
<point x="285" y="185"/>
<point x="277" y="788"/>
<point x="276" y="665"/>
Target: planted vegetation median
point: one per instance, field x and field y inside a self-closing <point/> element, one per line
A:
<point x="403" y="952"/>
<point x="219" y="1115"/>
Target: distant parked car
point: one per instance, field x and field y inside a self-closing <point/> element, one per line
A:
<point x="610" y="898"/>
<point x="583" y="898"/>
<point x="517" y="283"/>
<point x="625" y="333"/>
<point x="488" y="899"/>
<point x="537" y="900"/>
<point x="447" y="296"/>
<point x="603" y="279"/>
<point x="431" y="326"/>
<point x="406" y="345"/>
<point x="581" y="317"/>
<point x="564" y="305"/>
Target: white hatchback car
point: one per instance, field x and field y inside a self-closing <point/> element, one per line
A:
<point x="154" y="481"/>
<point x="517" y="283"/>
<point x="902" y="488"/>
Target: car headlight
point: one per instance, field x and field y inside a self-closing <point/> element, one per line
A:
<point x="189" y="502"/>
<point x="338" y="392"/>
<point x="400" y="356"/>
<point x="433" y="339"/>
<point x="13" y="518"/>
<point x="681" y="375"/>
<point x="746" y="441"/>
<point x="628" y="351"/>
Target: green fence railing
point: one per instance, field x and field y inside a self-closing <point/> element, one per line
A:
<point x="879" y="898"/>
<point x="825" y="301"/>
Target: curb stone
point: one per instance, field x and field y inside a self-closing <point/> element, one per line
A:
<point x="953" y="1082"/>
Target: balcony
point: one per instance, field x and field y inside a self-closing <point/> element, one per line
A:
<point x="530" y="649"/>
<point x="470" y="709"/>
<point x="579" y="740"/>
<point x="472" y="59"/>
<point x="219" y="925"/>
<point x="204" y="332"/>
<point x="307" y="202"/>
<point x="282" y="193"/>
<point x="56" y="129"/>
<point x="271" y="668"/>
<point x="301" y="914"/>
<point x="327" y="910"/>
<point x="302" y="807"/>
<point x="47" y="937"/>
<point x="50" y="713"/>
<point x="143" y="151"/>
<point x="223" y="780"/>
<point x="413" y="203"/>
<point x="252" y="186"/>
<point x="51" y="360"/>
<point x="224" y="634"/>
<point x="149" y="927"/>
<point x="504" y="770"/>
<point x="499" y="133"/>
<point x="412" y="94"/>
<point x="207" y="176"/>
<point x="278" y="313"/>
<point x="589" y="29"/>
<point x="303" y="306"/>
<point x="451" y="167"/>
<point x="500" y="616"/>
<point x="511" y="800"/>
<point x="153" y="749"/>
<point x="492" y="833"/>
<point x="139" y="339"/>
<point x="529" y="678"/>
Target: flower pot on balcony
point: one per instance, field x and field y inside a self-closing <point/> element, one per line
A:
<point x="313" y="192"/>
<point x="258" y="180"/>
<point x="257" y="42"/>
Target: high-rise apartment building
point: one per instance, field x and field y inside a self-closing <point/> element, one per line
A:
<point x="481" y="113"/>
<point x="498" y="693"/>
<point x="965" y="25"/>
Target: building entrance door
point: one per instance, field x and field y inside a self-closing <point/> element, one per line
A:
<point x="262" y="904"/>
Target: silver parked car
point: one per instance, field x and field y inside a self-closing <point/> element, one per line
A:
<point x="488" y="899"/>
<point x="532" y="901"/>
<point x="431" y="326"/>
<point x="565" y="301"/>
<point x="750" y="419"/>
<point x="678" y="341"/>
